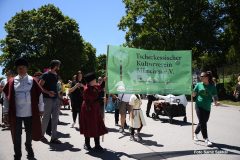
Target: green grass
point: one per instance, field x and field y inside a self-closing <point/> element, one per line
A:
<point x="229" y="102"/>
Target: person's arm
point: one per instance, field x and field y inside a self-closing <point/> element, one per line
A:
<point x="215" y="97"/>
<point x="103" y="85"/>
<point x="5" y="108"/>
<point x="41" y="105"/>
<point x="50" y="93"/>
<point x="195" y="91"/>
<point x="73" y="88"/>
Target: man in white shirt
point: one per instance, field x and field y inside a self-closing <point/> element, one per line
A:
<point x="23" y="103"/>
<point x="123" y="108"/>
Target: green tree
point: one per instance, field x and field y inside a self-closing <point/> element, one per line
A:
<point x="90" y="55"/>
<point x="172" y="25"/>
<point x="101" y="64"/>
<point x="42" y="35"/>
<point x="230" y="36"/>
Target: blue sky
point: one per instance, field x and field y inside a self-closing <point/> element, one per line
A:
<point x="97" y="19"/>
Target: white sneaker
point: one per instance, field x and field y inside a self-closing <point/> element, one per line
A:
<point x="208" y="142"/>
<point x="195" y="137"/>
<point x="73" y="125"/>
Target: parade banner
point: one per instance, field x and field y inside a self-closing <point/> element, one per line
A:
<point x="138" y="71"/>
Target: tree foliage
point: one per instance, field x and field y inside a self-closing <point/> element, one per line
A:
<point x="42" y="35"/>
<point x="101" y="64"/>
<point x="209" y="28"/>
<point x="230" y="37"/>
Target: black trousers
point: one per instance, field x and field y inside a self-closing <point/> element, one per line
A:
<point x="18" y="135"/>
<point x="74" y="115"/>
<point x="49" y="127"/>
<point x="96" y="140"/>
<point x="76" y="109"/>
<point x="203" y="117"/>
<point x="116" y="116"/>
<point x="151" y="98"/>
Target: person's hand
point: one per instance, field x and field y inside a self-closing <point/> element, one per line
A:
<point x="78" y="85"/>
<point x="41" y="113"/>
<point x="51" y="93"/>
<point x="81" y="85"/>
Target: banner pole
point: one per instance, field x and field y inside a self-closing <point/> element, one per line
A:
<point x="192" y="117"/>
<point x="105" y="88"/>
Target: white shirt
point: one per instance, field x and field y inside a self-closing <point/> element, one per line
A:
<point x="22" y="88"/>
<point x="125" y="97"/>
<point x="135" y="102"/>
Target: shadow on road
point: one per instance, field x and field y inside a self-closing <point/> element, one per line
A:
<point x="225" y="146"/>
<point x="172" y="154"/>
<point x="109" y="155"/>
<point x="63" y="123"/>
<point x="63" y="147"/>
<point x="150" y="143"/>
<point x="176" y="122"/>
<point x="63" y="135"/>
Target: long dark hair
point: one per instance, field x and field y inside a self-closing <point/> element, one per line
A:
<point x="210" y="76"/>
<point x="76" y="79"/>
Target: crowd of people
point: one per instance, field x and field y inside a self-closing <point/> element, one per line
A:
<point x="36" y="101"/>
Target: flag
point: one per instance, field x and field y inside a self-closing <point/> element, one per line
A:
<point x="138" y="71"/>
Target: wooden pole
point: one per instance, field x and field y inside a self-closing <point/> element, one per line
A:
<point x="105" y="92"/>
<point x="192" y="117"/>
<point x="105" y="99"/>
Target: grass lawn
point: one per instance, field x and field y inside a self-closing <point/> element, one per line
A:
<point x="229" y="102"/>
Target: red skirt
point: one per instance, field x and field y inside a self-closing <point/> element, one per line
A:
<point x="91" y="120"/>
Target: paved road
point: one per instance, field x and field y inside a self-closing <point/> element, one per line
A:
<point x="161" y="140"/>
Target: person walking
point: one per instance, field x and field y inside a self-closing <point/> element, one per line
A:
<point x="123" y="108"/>
<point x="137" y="120"/>
<point x="49" y="82"/>
<point x="91" y="118"/>
<point x="205" y="92"/>
<point x="76" y="92"/>
<point x="151" y="98"/>
<point x="23" y="104"/>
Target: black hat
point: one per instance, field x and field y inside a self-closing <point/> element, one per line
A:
<point x="21" y="62"/>
<point x="90" y="76"/>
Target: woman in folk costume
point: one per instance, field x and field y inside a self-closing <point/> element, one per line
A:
<point x="137" y="120"/>
<point x="91" y="118"/>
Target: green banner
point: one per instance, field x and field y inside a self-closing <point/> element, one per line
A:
<point x="131" y="70"/>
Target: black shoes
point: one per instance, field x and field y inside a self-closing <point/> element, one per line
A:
<point x="87" y="147"/>
<point x="97" y="148"/>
